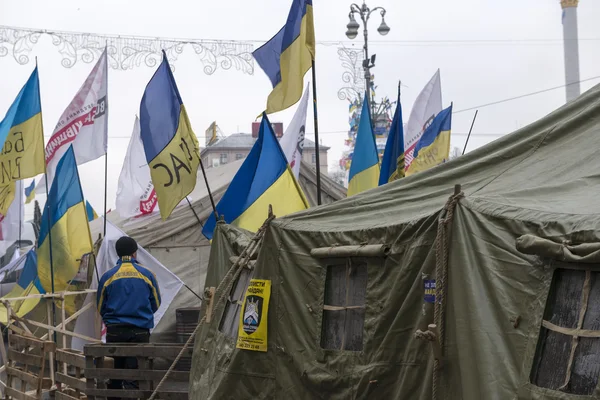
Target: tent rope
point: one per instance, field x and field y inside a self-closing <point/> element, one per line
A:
<point x="234" y="272"/>
<point x="441" y="273"/>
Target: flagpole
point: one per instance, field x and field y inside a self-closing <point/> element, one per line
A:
<point x="469" y="135"/>
<point x="194" y="211"/>
<point x="47" y="206"/>
<point x="20" y="213"/>
<point x="212" y="201"/>
<point x="106" y="153"/>
<point x="316" y="126"/>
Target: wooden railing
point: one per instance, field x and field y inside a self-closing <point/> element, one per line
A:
<point x="97" y="372"/>
<point x="26" y="367"/>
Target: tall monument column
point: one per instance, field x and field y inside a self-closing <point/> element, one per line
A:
<point x="571" y="48"/>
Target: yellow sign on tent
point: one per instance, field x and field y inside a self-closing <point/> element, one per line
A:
<point x="252" y="334"/>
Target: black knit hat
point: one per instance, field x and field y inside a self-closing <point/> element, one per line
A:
<point x="126" y="246"/>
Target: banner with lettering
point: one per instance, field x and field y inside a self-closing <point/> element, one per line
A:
<point x="83" y="124"/>
<point x="135" y="194"/>
<point x="252" y="333"/>
<point x="292" y="142"/>
<point x="12" y="219"/>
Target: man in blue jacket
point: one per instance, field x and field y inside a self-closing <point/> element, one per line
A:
<point x="127" y="297"/>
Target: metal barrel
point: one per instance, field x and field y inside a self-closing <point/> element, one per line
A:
<point x="186" y="321"/>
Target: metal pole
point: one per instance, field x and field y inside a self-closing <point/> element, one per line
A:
<point x="194" y="211"/>
<point x="469" y="135"/>
<point x="20" y="213"/>
<point x="106" y="154"/>
<point x="316" y="126"/>
<point x="212" y="201"/>
<point x="49" y="221"/>
<point x="105" y="187"/>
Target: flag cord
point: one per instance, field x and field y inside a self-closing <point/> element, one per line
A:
<point x="316" y="126"/>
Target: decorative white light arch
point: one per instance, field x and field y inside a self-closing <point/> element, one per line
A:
<point x="126" y="52"/>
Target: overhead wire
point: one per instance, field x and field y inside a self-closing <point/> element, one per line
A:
<point x="455" y="112"/>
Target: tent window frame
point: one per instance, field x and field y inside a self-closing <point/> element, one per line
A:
<point x="569" y="311"/>
<point x="230" y="319"/>
<point x="340" y="333"/>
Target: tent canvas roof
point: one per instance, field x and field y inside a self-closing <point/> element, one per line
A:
<point x="542" y="181"/>
<point x="151" y="229"/>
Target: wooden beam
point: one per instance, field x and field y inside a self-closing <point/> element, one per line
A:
<point x="73" y="317"/>
<point x="17" y="395"/>
<point x="60" y="295"/>
<point x="135" y="374"/>
<point x="59" y="330"/>
<point x="28" y="359"/>
<point x="169" y="351"/>
<point x="71" y="358"/>
<point x="211" y="301"/>
<point x="70" y="381"/>
<point x="135" y="394"/>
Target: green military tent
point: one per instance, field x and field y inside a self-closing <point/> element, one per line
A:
<point x="514" y="258"/>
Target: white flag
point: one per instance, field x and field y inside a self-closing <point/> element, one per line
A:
<point x="83" y="124"/>
<point x="427" y="105"/>
<point x="13" y="223"/>
<point x="135" y="194"/>
<point x="292" y="142"/>
<point x="169" y="284"/>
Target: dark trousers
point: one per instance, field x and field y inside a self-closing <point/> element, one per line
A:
<point x="125" y="334"/>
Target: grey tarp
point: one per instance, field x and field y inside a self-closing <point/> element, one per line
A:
<point x="543" y="180"/>
<point x="178" y="242"/>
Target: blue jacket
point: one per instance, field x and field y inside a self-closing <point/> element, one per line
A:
<point x="128" y="294"/>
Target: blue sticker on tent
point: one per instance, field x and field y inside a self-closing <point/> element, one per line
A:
<point x="429" y="290"/>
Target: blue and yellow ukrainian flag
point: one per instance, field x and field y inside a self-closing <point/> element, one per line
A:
<point x="170" y="144"/>
<point x="264" y="178"/>
<point x="28" y="284"/>
<point x="21" y="135"/>
<point x="392" y="164"/>
<point x="65" y="224"/>
<point x="91" y="213"/>
<point x="30" y="192"/>
<point x="434" y="146"/>
<point x="364" y="169"/>
<point x="288" y="56"/>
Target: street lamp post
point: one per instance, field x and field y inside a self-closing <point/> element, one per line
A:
<point x="365" y="13"/>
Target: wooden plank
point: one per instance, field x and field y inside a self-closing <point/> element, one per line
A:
<point x="73" y="317"/>
<point x="209" y="308"/>
<point x="169" y="351"/>
<point x="59" y="330"/>
<point x="64" y="396"/>
<point x="70" y="381"/>
<point x="143" y="383"/>
<point x="49" y="295"/>
<point x="28" y="359"/>
<point x="135" y="374"/>
<point x="74" y="359"/>
<point x="15" y="394"/>
<point x="51" y="358"/>
<point x="23" y="341"/>
<point x="135" y="394"/>
<point x="32" y="379"/>
<point x="90" y="383"/>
